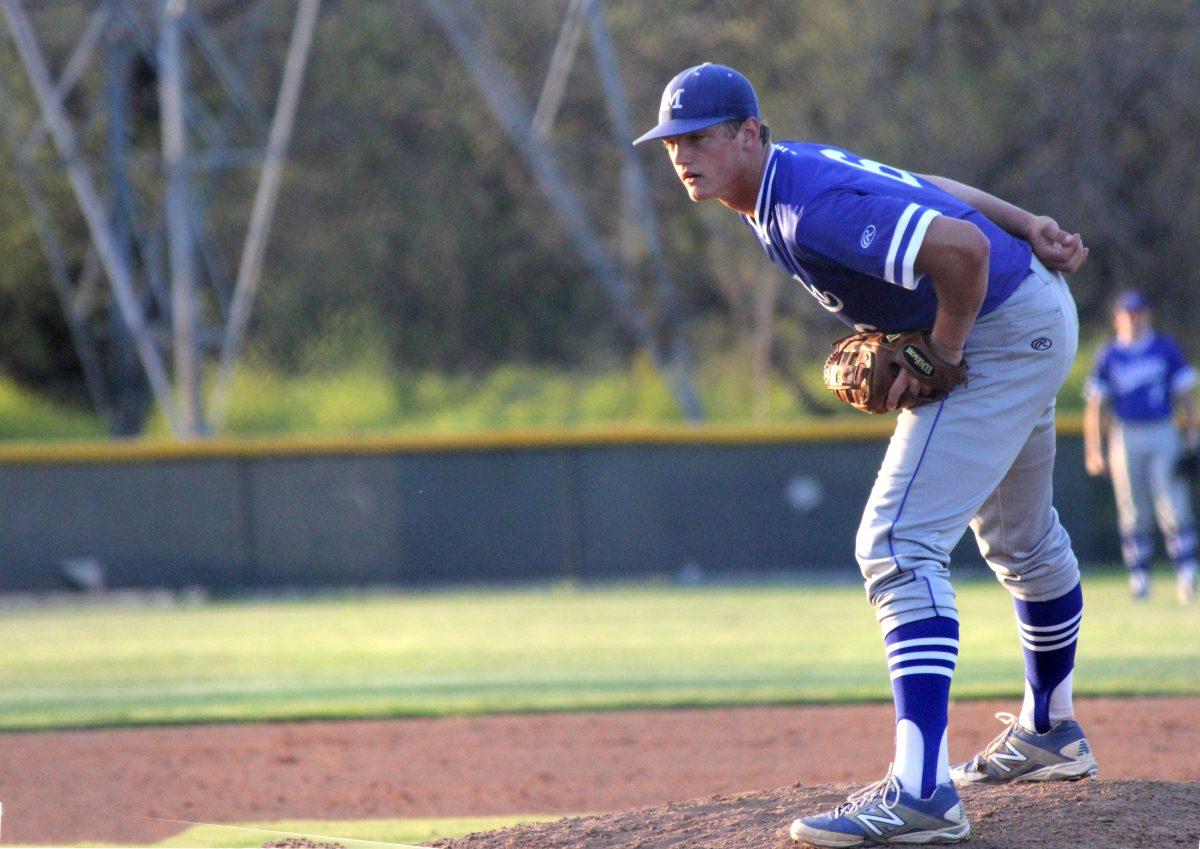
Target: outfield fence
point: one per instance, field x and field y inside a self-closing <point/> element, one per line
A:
<point x="682" y="502"/>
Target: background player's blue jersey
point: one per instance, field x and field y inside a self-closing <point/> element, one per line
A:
<point x="849" y="230"/>
<point x="1140" y="380"/>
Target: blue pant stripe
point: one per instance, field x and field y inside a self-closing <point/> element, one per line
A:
<point x="904" y="500"/>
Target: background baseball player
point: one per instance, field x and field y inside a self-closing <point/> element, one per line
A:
<point x="884" y="249"/>
<point x="1135" y="385"/>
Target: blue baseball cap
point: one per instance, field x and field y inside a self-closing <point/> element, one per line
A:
<point x="700" y="97"/>
<point x="1132" y="301"/>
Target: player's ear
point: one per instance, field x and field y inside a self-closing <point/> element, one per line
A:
<point x="749" y="132"/>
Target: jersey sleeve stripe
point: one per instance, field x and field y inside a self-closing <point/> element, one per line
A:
<point x="909" y="281"/>
<point x="897" y="238"/>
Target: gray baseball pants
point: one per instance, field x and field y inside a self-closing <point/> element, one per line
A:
<point x="983" y="457"/>
<point x="1142" y="458"/>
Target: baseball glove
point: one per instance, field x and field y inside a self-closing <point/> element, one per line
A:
<point x="863" y="367"/>
<point x="1188" y="464"/>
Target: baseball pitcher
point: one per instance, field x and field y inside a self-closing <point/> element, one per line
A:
<point x="962" y="321"/>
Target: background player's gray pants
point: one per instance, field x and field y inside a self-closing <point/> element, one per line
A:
<point x="1142" y="458"/>
<point x="985" y="457"/>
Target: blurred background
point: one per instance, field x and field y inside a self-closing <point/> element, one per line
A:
<point x="475" y="334"/>
<point x="462" y="238"/>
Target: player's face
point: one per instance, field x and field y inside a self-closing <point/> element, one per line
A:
<point x="1131" y="324"/>
<point x="708" y="162"/>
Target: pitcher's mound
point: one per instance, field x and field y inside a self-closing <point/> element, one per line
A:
<point x="1079" y="815"/>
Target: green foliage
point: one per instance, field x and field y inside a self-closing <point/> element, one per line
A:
<point x="364" y="399"/>
<point x="350" y="392"/>
<point x="441" y="653"/>
<point x="409" y="218"/>
<point x="365" y="396"/>
<point x="348" y="388"/>
<point x="26" y="415"/>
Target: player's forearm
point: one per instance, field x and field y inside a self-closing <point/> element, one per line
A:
<point x="1093" y="436"/>
<point x="1187" y="404"/>
<point x="1008" y="217"/>
<point x="1093" y="429"/>
<point x="955" y="255"/>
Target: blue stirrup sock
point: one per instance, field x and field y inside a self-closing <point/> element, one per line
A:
<point x="921" y="659"/>
<point x="1181" y="546"/>
<point x="1049" y="632"/>
<point x="1136" y="551"/>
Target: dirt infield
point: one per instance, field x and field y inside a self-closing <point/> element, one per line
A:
<point x="97" y="786"/>
<point x="1083" y="815"/>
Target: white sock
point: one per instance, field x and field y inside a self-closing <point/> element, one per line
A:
<point x="910" y="757"/>
<point x="1061" y="706"/>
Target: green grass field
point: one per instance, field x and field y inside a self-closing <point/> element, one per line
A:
<point x="408" y="831"/>
<point x="555" y="649"/>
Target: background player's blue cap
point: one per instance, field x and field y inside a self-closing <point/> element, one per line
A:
<point x="700" y="97"/>
<point x="1132" y="301"/>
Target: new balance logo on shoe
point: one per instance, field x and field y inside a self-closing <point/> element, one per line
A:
<point x="1014" y="756"/>
<point x="888" y="818"/>
<point x="1020" y="754"/>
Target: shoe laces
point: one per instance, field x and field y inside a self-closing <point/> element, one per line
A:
<point x="886" y="789"/>
<point x="1010" y="721"/>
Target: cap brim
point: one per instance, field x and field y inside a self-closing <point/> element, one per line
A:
<point x="678" y="127"/>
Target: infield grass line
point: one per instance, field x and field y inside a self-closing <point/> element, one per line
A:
<point x="402" y="832"/>
<point x="459" y="653"/>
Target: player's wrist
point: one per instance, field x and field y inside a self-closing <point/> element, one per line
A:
<point x="1032" y="224"/>
<point x="949" y="348"/>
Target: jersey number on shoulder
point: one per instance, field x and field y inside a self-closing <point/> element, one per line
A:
<point x="872" y="166"/>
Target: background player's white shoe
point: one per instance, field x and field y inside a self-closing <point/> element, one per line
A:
<point x="1185" y="583"/>
<point x="1139" y="583"/>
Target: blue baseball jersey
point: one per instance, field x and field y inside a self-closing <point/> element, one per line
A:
<point x="1140" y="380"/>
<point x="849" y="229"/>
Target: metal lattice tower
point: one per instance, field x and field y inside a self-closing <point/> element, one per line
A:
<point x="153" y="107"/>
<point x="530" y="130"/>
<point x="154" y="298"/>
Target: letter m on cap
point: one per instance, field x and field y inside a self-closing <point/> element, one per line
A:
<point x="677" y="99"/>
